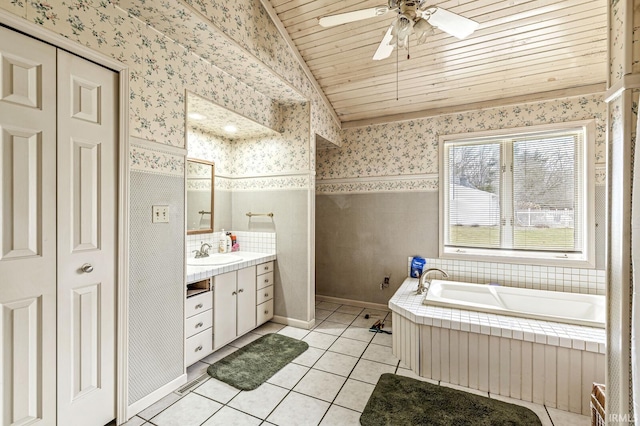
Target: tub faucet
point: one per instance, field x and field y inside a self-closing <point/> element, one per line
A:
<point x="423" y="279"/>
<point x="203" y="252"/>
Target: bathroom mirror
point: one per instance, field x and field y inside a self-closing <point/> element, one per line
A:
<point x="200" y="177"/>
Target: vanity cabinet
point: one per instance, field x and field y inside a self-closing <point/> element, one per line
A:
<point x="198" y="321"/>
<point x="224" y="307"/>
<point x="234" y="307"/>
<point x="264" y="292"/>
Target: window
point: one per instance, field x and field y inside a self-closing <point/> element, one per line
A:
<point x="522" y="195"/>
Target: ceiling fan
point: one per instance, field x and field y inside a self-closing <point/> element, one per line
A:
<point x="413" y="17"/>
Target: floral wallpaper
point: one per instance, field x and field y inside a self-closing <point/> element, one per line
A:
<point x="288" y="152"/>
<point x="246" y="44"/>
<point x="160" y="68"/>
<point x="267" y="155"/>
<point x="617" y="40"/>
<point x="193" y="30"/>
<point x="411" y="147"/>
<point x="153" y="161"/>
<point x="214" y="118"/>
<point x="18" y="7"/>
<point x="198" y="171"/>
<point x="272" y="183"/>
<point x="209" y="147"/>
<point x="360" y="187"/>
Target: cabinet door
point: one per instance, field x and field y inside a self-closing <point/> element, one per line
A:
<point x="27" y="230"/>
<point x="246" y="300"/>
<point x="87" y="238"/>
<point x="224" y="309"/>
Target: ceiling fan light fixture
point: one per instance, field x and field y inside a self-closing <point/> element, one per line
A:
<point x="401" y="29"/>
<point x="451" y="23"/>
<point x="423" y="30"/>
<point x="385" y="48"/>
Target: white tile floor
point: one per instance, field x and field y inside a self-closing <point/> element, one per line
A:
<point x="328" y="385"/>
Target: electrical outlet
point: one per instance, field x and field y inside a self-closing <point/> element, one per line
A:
<point x="385" y="282"/>
<point x="160" y="214"/>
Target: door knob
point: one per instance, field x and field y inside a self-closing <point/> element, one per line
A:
<point x="87" y="267"/>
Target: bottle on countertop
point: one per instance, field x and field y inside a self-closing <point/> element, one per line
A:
<point x="222" y="242"/>
<point x="234" y="243"/>
<point x="228" y="242"/>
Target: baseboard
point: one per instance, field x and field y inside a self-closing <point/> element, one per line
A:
<point x="307" y="325"/>
<point x="155" y="396"/>
<point x="368" y="305"/>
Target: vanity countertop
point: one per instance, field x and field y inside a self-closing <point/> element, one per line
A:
<point x="195" y="273"/>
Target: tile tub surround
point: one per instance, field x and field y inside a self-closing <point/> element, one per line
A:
<point x="570" y="280"/>
<point x="196" y="273"/>
<point x="326" y="386"/>
<point x="537" y="361"/>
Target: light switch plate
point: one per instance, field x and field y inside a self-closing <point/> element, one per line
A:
<point x="160" y="214"/>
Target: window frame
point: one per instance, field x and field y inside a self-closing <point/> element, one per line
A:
<point x="584" y="259"/>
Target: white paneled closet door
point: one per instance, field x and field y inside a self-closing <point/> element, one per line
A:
<point x="58" y="218"/>
<point x="27" y="230"/>
<point x="87" y="226"/>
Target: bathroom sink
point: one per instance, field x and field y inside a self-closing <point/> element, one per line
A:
<point x="214" y="259"/>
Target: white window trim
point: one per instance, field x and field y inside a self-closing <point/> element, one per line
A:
<point x="586" y="259"/>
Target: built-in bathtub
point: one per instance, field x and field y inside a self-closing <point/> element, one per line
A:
<point x="541" y="361"/>
<point x="569" y="308"/>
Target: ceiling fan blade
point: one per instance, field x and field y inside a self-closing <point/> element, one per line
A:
<point x="452" y="23"/>
<point x="384" y="49"/>
<point x="358" y="15"/>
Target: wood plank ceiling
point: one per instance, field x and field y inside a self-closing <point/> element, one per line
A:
<point x="523" y="50"/>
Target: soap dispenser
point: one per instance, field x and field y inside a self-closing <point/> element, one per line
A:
<point x="222" y="242"/>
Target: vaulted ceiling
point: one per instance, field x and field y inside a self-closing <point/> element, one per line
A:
<point x="523" y="50"/>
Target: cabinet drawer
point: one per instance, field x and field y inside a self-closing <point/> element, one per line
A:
<point x="199" y="346"/>
<point x="264" y="312"/>
<point x="264" y="294"/>
<point x="263" y="268"/>
<point x="199" y="322"/>
<point x="264" y="280"/>
<point x="198" y="304"/>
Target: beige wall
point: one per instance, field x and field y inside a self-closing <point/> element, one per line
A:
<point x="363" y="237"/>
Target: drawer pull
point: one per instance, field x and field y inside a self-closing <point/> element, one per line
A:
<point x="266" y="295"/>
<point x="198" y="349"/>
<point x="266" y="268"/>
<point x="234" y="293"/>
<point x="200" y="324"/>
<point x="199" y="306"/>
<point x="241" y="290"/>
<point x="267" y="280"/>
<point x="266" y="311"/>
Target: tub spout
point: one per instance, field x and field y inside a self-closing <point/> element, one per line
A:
<point x="422" y="288"/>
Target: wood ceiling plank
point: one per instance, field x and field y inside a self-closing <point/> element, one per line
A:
<point x="382" y="106"/>
<point x="420" y="58"/>
<point x="309" y="24"/>
<point x="480" y="105"/>
<point x="452" y="64"/>
<point x="537" y="45"/>
<point x="502" y="16"/>
<point x="487" y="76"/>
<point x="546" y="60"/>
<point x="432" y="55"/>
<point x="550" y="20"/>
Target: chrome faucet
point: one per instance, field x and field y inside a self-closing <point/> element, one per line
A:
<point x="423" y="279"/>
<point x="203" y="252"/>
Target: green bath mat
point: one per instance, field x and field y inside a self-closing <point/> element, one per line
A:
<point x="252" y="365"/>
<point x="398" y="400"/>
